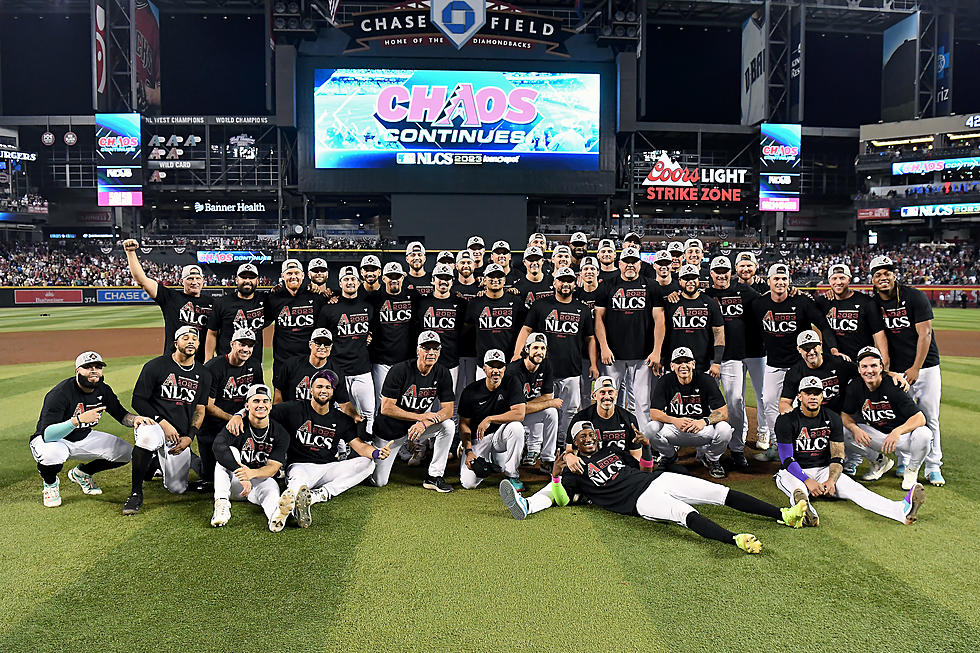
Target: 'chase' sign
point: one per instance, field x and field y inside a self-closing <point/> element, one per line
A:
<point x="122" y="296"/>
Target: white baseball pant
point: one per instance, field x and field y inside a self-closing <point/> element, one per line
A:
<point x="847" y="488"/>
<point x="634" y="395"/>
<point x="711" y="441"/>
<point x="443" y="434"/>
<point x="336" y="477"/>
<point x="542" y="433"/>
<point x="927" y="393"/>
<point x="733" y="387"/>
<point x="94" y="446"/>
<point x="264" y="493"/>
<point x="771" y="387"/>
<point x="569" y="390"/>
<point x="360" y="389"/>
<point x="378" y="373"/>
<point x="756" y="367"/>
<point x="503" y="447"/>
<point x="911" y="446"/>
<point x="174" y="468"/>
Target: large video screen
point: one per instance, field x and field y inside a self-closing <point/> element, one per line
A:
<point x="119" y="166"/>
<point x="383" y="118"/>
<point x="780" y="167"/>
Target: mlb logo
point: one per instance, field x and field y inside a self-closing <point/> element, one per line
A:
<point x="407" y="158"/>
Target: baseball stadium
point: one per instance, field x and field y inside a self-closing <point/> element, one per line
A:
<point x="450" y="325"/>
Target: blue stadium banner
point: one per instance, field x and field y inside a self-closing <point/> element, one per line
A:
<point x="122" y="296"/>
<point x="944" y="64"/>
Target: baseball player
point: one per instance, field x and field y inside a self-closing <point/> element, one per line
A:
<point x="733" y="300"/>
<point x="231" y="376"/>
<point x="465" y="289"/>
<point x="663" y="278"/>
<point x="687" y="410"/>
<point x="477" y="248"/>
<point x="242" y="309"/>
<point x="416" y="281"/>
<point x="370" y="274"/>
<point x="491" y="412"/>
<point x="755" y="349"/>
<point x="532" y="370"/>
<point x="297" y="373"/>
<point x="185" y="308"/>
<point x="248" y="462"/>
<point x="634" y="240"/>
<point x="810" y="439"/>
<point x="533" y="286"/>
<point x="442" y="312"/>
<point x="293" y="310"/>
<point x="606" y="254"/>
<point x="613" y="424"/>
<point x="174" y="391"/>
<point x="883" y="418"/>
<point x="694" y="253"/>
<point x="629" y="329"/>
<point x="318" y="272"/>
<point x="579" y="243"/>
<point x="676" y="250"/>
<point x="65" y="430"/>
<point x="495" y="316"/>
<point x="587" y="292"/>
<point x="500" y="254"/>
<point x="391" y="330"/>
<point x="912" y="346"/>
<point x="349" y="321"/>
<point x="694" y="321"/>
<point x="561" y="257"/>
<point x="833" y="371"/>
<point x="853" y="316"/>
<point x="408" y="397"/>
<point x="612" y="480"/>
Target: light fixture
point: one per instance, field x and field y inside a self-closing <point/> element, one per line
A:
<point x="904" y="141"/>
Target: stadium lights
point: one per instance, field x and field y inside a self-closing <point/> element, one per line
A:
<point x="904" y="141"/>
<point x="959" y="137"/>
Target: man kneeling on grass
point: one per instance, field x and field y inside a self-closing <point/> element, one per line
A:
<point x="613" y="480"/>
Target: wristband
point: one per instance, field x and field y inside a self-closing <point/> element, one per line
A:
<point x="837" y="461"/>
<point x="646" y="464"/>
<point x="376" y="453"/>
<point x="192" y="432"/>
<point x="719" y="353"/>
<point x="556" y="479"/>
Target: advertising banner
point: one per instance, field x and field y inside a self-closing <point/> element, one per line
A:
<point x="668" y="181"/>
<point x="936" y="165"/>
<point x="944" y="64"/>
<point x="122" y="296"/>
<point x="146" y="57"/>
<point x="48" y="296"/>
<point x="753" y="86"/>
<point x="117" y="151"/>
<point x="931" y="210"/>
<point x="100" y="56"/>
<point x="899" y="66"/>
<point x="216" y="256"/>
<point x="872" y="214"/>
<point x="780" y="167"/>
<point x="382" y="118"/>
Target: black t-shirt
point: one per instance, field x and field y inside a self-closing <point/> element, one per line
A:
<point x="412" y="392"/>
<point x="695" y="400"/>
<point x="314" y="438"/>
<point x="477" y="402"/>
<point x="689" y="323"/>
<point x="628" y="317"/>
<point x="165" y="390"/>
<point x="755" y="346"/>
<point x="884" y="408"/>
<point x="615" y="431"/>
<point x="391" y="329"/>
<point x="611" y="480"/>
<point x="349" y="321"/>
<point x="183" y="310"/>
<point x="854" y="321"/>
<point x="532" y="291"/>
<point x="295" y="319"/>
<point x="781" y="322"/>
<point x="419" y="286"/>
<point x="257" y="446"/>
<point x="445" y="317"/>
<point x="810" y="436"/>
<point x="588" y="297"/>
<point x="568" y="328"/>
<point x="230" y="313"/>
<point x="467" y="336"/>
<point x="67" y="400"/>
<point x="496" y="321"/>
<point x="605" y="276"/>
<point x="900" y="315"/>
<point x="229" y="385"/>
<point x="295" y="375"/>
<point x="533" y="384"/>
<point x="733" y="302"/>
<point x="835" y="373"/>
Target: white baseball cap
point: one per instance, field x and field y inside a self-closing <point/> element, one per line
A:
<point x="371" y="261"/>
<point x="316" y="263"/>
<point x="464" y="255"/>
<point x="778" y="268"/>
<point x="321" y="334"/>
<point x="675" y="246"/>
<point x="882" y="262"/>
<point x="588" y="261"/>
<point x="604" y="382"/>
<point x="606" y="243"/>
<point x="689" y="270"/>
<point x="583" y="425"/>
<point x="807" y="337"/>
<point x="632" y="236"/>
<point x="662" y="256"/>
<point x="247" y="267"/>
<point x="393" y="268"/>
<point x="536" y="236"/>
<point x="561" y="273"/>
<point x="291" y="264"/>
<point x="681" y="353"/>
<point x="561" y="248"/>
<point x="445" y="255"/>
<point x="258" y="389"/>
<point x="427" y="337"/>
<point x="415" y="246"/>
<point x="493" y="268"/>
<point x="629" y="253"/>
<point x="535" y="338"/>
<point x="810" y="383"/>
<point x="746" y="256"/>
<point x="191" y="270"/>
<point x="868" y="351"/>
<point x="443" y="270"/>
<point x="501" y="245"/>
<point x="693" y="242"/>
<point x="348" y="271"/>
<point x="533" y="252"/>
<point x="87" y="358"/>
<point x="721" y="263"/>
<point x="243" y="334"/>
<point x="477" y="241"/>
<point x="186" y="329"/>
<point x="578" y="237"/>
<point x="839" y="268"/>
<point x="494" y="356"/>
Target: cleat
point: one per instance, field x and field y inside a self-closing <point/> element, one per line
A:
<point x="878" y="468"/>
<point x="320" y="495"/>
<point x="715" y="470"/>
<point x="286" y="504"/>
<point x="222" y="512"/>
<point x="133" y="504"/>
<point x="936" y="478"/>
<point x="437" y="483"/>
<point x="810" y="517"/>
<point x="517" y="483"/>
<point x="748" y="543"/>
<point x="739" y="463"/>
<point x="513" y="500"/>
<point x="851" y="468"/>
<point x="910" y="478"/>
<point x="768" y="455"/>
<point x="795" y="515"/>
<point x="85" y="481"/>
<point x="531" y="460"/>
<point x="762" y="440"/>
<point x="51" y="494"/>
<point x="913" y="501"/>
<point x="900" y="470"/>
<point x="417" y="456"/>
<point x="302" y="509"/>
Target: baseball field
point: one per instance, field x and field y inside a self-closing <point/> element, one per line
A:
<point x="404" y="569"/>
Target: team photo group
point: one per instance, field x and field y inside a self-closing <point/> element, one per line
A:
<point x="588" y="374"/>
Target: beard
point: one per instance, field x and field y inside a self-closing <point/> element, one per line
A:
<point x="84" y="382"/>
<point x="246" y="289"/>
<point x="320" y="402"/>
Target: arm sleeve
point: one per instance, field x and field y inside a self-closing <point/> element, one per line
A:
<point x="921" y="308"/>
<point x="817" y="317"/>
<point x="215" y="381"/>
<point x="904" y="405"/>
<point x="340" y="394"/>
<point x="548" y="385"/>
<point x="214" y="320"/>
<point x="515" y="395"/>
<point x="785" y="452"/>
<point x="222" y="450"/>
<point x="533" y="317"/>
<point x="836" y="426"/>
<point x="54" y="410"/>
<point x="258" y="375"/>
<point x="143" y="391"/>
<point x="588" y="323"/>
<point x="465" y="408"/>
<point x="872" y="318"/>
<point x="852" y="397"/>
<point x="163" y="294"/>
<point x="53" y="432"/>
<point x="278" y="452"/>
<point x="203" y="389"/>
<point x="280" y="375"/>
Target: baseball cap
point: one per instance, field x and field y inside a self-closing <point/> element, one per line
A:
<point x="428" y="336"/>
<point x="258" y="389"/>
<point x="675" y="246"/>
<point x="629" y="253"/>
<point x="243" y="334"/>
<point x="464" y="255"/>
<point x="494" y="356"/>
<point x="839" y="268"/>
<point x="721" y="263"/>
<point x="868" y="351"/>
<point x="589" y="260"/>
<point x="87" y="358"/>
<point x="746" y="256"/>
<point x="561" y="249"/>
<point x="777" y="268"/>
<point x="603" y="382"/>
<point x="247" y="267"/>
<point x="475" y="242"/>
<point x="536" y="236"/>
<point x="291" y="264"/>
<point x="583" y="425"/>
<point x="316" y="264"/>
<point x="535" y="338"/>
<point x="445" y="255"/>
<point x="442" y="270"/>
<point x="393" y="268"/>
<point x="632" y="237"/>
<point x="492" y="269"/>
<point x="689" y="270"/>
<point x="414" y="246"/>
<point x="579" y="237"/>
<point x="882" y="262"/>
<point x="693" y="242"/>
<point x="811" y="383"/>
<point x="662" y="256"/>
<point x="501" y="246"/>
<point x="371" y="261"/>
<point x="533" y="253"/>
<point x="321" y="334"/>
<point x="186" y="329"/>
<point x="190" y="271"/>
<point x="808" y="337"/>
<point x="681" y="353"/>
<point x="606" y="242"/>
<point x="348" y="271"/>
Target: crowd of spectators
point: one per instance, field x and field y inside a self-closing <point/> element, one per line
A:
<point x="253" y="243"/>
<point x="29" y="203"/>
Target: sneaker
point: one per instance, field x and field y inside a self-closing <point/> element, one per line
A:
<point x="936" y="478"/>
<point x="878" y="468"/>
<point x="900" y="470"/>
<point x="739" y="463"/>
<point x="517" y="483"/>
<point x="436" y="483"/>
<point x="913" y="501"/>
<point x="320" y="495"/>
<point x="85" y="481"/>
<point x="795" y="515"/>
<point x="222" y="512"/>
<point x="851" y="468"/>
<point x="762" y="440"/>
<point x="513" y="500"/>
<point x="910" y="478"/>
<point x="201" y="487"/>
<point x="810" y="517"/>
<point x="768" y="455"/>
<point x="531" y="460"/>
<point x="287" y="501"/>
<point x="302" y="509"/>
<point x="748" y="543"/>
<point x="51" y="494"/>
<point x="416" y="459"/>
<point x="715" y="470"/>
<point x="133" y="504"/>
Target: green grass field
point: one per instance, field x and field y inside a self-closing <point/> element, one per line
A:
<point x="404" y="569"/>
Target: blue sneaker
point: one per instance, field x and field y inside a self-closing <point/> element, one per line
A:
<point x="900" y="470"/>
<point x="513" y="500"/>
<point x="850" y="468"/>
<point x="517" y="483"/>
<point x="936" y="478"/>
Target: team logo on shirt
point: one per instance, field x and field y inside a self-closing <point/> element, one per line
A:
<point x="831" y="386"/>
<point x="256" y="449"/>
<point x="876" y="412"/>
<point x="302" y="390"/>
<point x="439" y="319"/>
<point x="615" y="437"/>
<point x="775" y="322"/>
<point x="179" y="389"/>
<point x="813" y="439"/>
<point x="896" y="318"/>
<point x="690" y="318"/>
<point x="686" y="405"/>
<point x="352" y="326"/>
<point x="316" y="436"/>
<point x="562" y="322"/>
<point x="191" y="313"/>
<point x="497" y="318"/>
<point x="251" y="319"/>
<point x="842" y="321"/>
<point x="237" y="388"/>
<point x="295" y="317"/>
<point x="731" y="307"/>
<point x="629" y="299"/>
<point x="418" y="399"/>
<point x="395" y="312"/>
<point x="602" y="471"/>
<point x="532" y="390"/>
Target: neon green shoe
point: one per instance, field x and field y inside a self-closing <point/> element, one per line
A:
<point x="795" y="515"/>
<point x="748" y="543"/>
